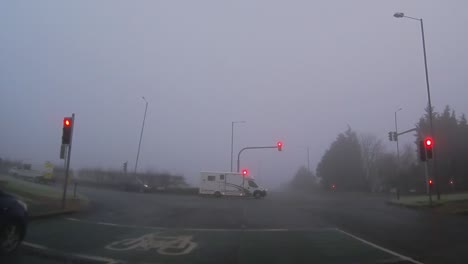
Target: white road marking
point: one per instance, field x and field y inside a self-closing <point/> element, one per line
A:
<point x="379" y="247"/>
<point x="67" y="254"/>
<point x="183" y="229"/>
<point x="165" y="245"/>
<point x="34" y="245"/>
<point x="104" y="223"/>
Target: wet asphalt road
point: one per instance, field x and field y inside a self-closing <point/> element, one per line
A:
<point x="421" y="235"/>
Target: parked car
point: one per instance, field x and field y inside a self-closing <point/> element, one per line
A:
<point x="13" y="222"/>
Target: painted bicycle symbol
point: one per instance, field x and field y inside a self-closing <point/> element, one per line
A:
<point x="165" y="245"/>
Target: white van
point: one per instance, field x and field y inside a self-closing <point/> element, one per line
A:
<point x="229" y="183"/>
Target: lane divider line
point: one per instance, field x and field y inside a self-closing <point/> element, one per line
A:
<point x="403" y="257"/>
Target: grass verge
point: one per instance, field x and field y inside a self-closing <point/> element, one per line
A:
<point x="456" y="203"/>
<point x="42" y="199"/>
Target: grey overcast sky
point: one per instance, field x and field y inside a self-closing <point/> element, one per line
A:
<point x="297" y="71"/>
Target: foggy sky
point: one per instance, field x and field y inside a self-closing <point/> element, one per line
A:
<point x="296" y="71"/>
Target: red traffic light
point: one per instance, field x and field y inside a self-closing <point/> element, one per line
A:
<point x="430" y="182"/>
<point x="428" y="142"/>
<point x="245" y="172"/>
<point x="67" y="122"/>
<point x="279" y="144"/>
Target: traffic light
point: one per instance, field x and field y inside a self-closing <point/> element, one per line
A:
<point x="67" y="130"/>
<point x="125" y="166"/>
<point x="279" y="144"/>
<point x="390" y="136"/>
<point x="431" y="183"/>
<point x="422" y="151"/>
<point x="395" y="136"/>
<point x="428" y="143"/>
<point x="245" y="172"/>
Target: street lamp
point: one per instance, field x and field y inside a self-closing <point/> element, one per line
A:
<point x="396" y="131"/>
<point x="141" y="135"/>
<point x="232" y="138"/>
<point x="430" y="112"/>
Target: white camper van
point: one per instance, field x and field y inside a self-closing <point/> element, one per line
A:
<point x="229" y="183"/>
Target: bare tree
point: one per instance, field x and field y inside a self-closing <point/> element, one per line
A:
<point x="372" y="149"/>
<point x="407" y="156"/>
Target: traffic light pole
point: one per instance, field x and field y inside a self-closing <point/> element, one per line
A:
<point x="240" y="152"/>
<point x="67" y="168"/>
<point x="428" y="187"/>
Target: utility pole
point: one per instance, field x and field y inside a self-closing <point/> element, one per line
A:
<point x="308" y="160"/>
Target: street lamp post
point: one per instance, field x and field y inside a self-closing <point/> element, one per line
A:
<point x="430" y="112"/>
<point x="232" y="138"/>
<point x="141" y="135"/>
<point x="396" y="131"/>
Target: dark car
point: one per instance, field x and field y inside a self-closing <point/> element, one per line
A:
<point x="137" y="186"/>
<point x="13" y="222"/>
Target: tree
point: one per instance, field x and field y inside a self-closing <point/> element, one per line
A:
<point x="371" y="149"/>
<point x="303" y="180"/>
<point x="386" y="169"/>
<point x="450" y="148"/>
<point x="341" y="165"/>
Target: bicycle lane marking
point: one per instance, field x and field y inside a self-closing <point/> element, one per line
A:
<point x="107" y="241"/>
<point x="164" y="244"/>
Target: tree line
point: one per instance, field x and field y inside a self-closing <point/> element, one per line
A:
<point x="361" y="162"/>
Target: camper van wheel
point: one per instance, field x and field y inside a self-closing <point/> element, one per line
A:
<point x="257" y="195"/>
<point x="217" y="194"/>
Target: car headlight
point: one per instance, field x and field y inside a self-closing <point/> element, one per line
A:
<point x="23" y="204"/>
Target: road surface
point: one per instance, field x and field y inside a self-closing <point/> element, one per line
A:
<point x="122" y="227"/>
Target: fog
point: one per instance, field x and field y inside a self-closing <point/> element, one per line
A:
<point x="299" y="72"/>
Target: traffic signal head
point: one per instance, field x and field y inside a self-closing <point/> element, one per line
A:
<point x="279" y="144"/>
<point x="395" y="136"/>
<point x="430" y="182"/>
<point x="390" y="136"/>
<point x="422" y="151"/>
<point x="67" y="130"/>
<point x="245" y="172"/>
<point x="67" y="122"/>
<point x="428" y="143"/>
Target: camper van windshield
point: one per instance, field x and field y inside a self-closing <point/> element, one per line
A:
<point x="253" y="184"/>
